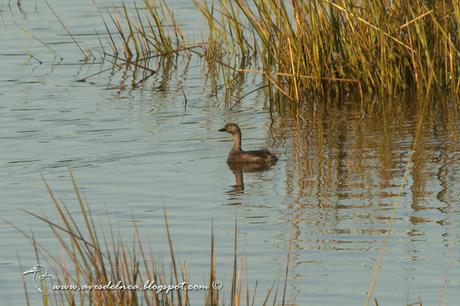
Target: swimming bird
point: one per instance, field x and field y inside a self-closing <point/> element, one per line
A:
<point x="239" y="156"/>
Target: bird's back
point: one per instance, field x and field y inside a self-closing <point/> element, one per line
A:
<point x="256" y="156"/>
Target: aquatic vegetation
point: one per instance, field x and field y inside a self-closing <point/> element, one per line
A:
<point x="310" y="47"/>
<point x="99" y="257"/>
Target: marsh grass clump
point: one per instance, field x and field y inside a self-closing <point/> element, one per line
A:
<point x="374" y="47"/>
<point x="152" y="30"/>
<point x="311" y="46"/>
<point x="97" y="256"/>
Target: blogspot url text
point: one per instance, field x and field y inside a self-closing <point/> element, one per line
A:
<point x="148" y="285"/>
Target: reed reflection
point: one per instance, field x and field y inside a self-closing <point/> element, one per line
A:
<point x="345" y="165"/>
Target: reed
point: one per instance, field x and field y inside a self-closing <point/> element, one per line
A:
<point x="96" y="255"/>
<point x="371" y="47"/>
<point x="303" y="47"/>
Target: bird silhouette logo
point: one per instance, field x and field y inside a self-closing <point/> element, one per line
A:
<point x="40" y="273"/>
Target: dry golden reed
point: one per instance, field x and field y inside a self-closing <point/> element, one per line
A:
<point x="96" y="255"/>
<point x="311" y="46"/>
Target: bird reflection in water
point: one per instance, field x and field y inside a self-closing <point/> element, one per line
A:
<point x="239" y="169"/>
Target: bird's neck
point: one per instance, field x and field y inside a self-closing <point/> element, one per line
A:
<point x="236" y="142"/>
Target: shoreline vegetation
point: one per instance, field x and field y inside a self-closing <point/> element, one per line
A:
<point x="304" y="48"/>
<point x="296" y="50"/>
<point x="98" y="257"/>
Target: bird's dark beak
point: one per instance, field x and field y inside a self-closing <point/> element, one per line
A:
<point x="222" y="130"/>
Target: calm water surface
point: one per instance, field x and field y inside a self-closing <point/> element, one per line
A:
<point x="136" y="151"/>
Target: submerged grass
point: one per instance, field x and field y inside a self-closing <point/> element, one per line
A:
<point x="302" y="47"/>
